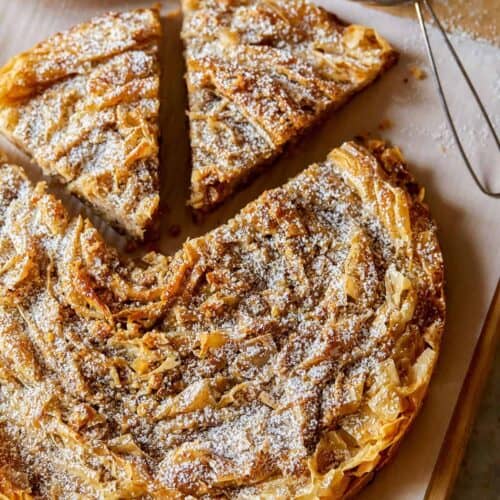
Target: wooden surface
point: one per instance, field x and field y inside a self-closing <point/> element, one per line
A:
<point x="455" y="442"/>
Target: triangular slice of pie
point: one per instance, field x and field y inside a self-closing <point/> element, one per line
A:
<point x="282" y="355"/>
<point x="85" y="104"/>
<point x="259" y="73"/>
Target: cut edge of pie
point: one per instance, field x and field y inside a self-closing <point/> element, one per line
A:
<point x="260" y="73"/>
<point x="284" y="354"/>
<point x="84" y="104"/>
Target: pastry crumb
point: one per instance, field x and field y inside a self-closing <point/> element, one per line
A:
<point x="418" y="73"/>
<point x="385" y="124"/>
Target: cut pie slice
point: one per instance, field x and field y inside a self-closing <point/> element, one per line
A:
<point x="85" y="105"/>
<point x="259" y="73"/>
<point x="282" y="355"/>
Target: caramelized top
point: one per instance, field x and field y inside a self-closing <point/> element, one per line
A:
<point x="283" y="354"/>
<point x="259" y="73"/>
<point x="84" y="103"/>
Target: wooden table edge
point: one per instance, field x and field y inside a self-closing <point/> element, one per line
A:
<point x="455" y="442"/>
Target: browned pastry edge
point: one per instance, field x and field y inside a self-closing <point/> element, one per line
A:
<point x="227" y="190"/>
<point x="214" y="187"/>
<point x="388" y="172"/>
<point x="130" y="206"/>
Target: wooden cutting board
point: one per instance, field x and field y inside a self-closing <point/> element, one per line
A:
<point x="458" y="434"/>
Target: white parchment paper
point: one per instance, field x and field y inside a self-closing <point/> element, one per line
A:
<point x="469" y="221"/>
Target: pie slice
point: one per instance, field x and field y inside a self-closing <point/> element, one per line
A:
<point x="282" y="355"/>
<point x="260" y="73"/>
<point x="84" y="104"/>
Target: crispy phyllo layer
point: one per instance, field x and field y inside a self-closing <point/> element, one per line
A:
<point x="282" y="355"/>
<point x="259" y="73"/>
<point x="85" y="105"/>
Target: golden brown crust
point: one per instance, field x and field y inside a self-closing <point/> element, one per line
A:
<point x="282" y="355"/>
<point x="84" y="103"/>
<point x="259" y="73"/>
